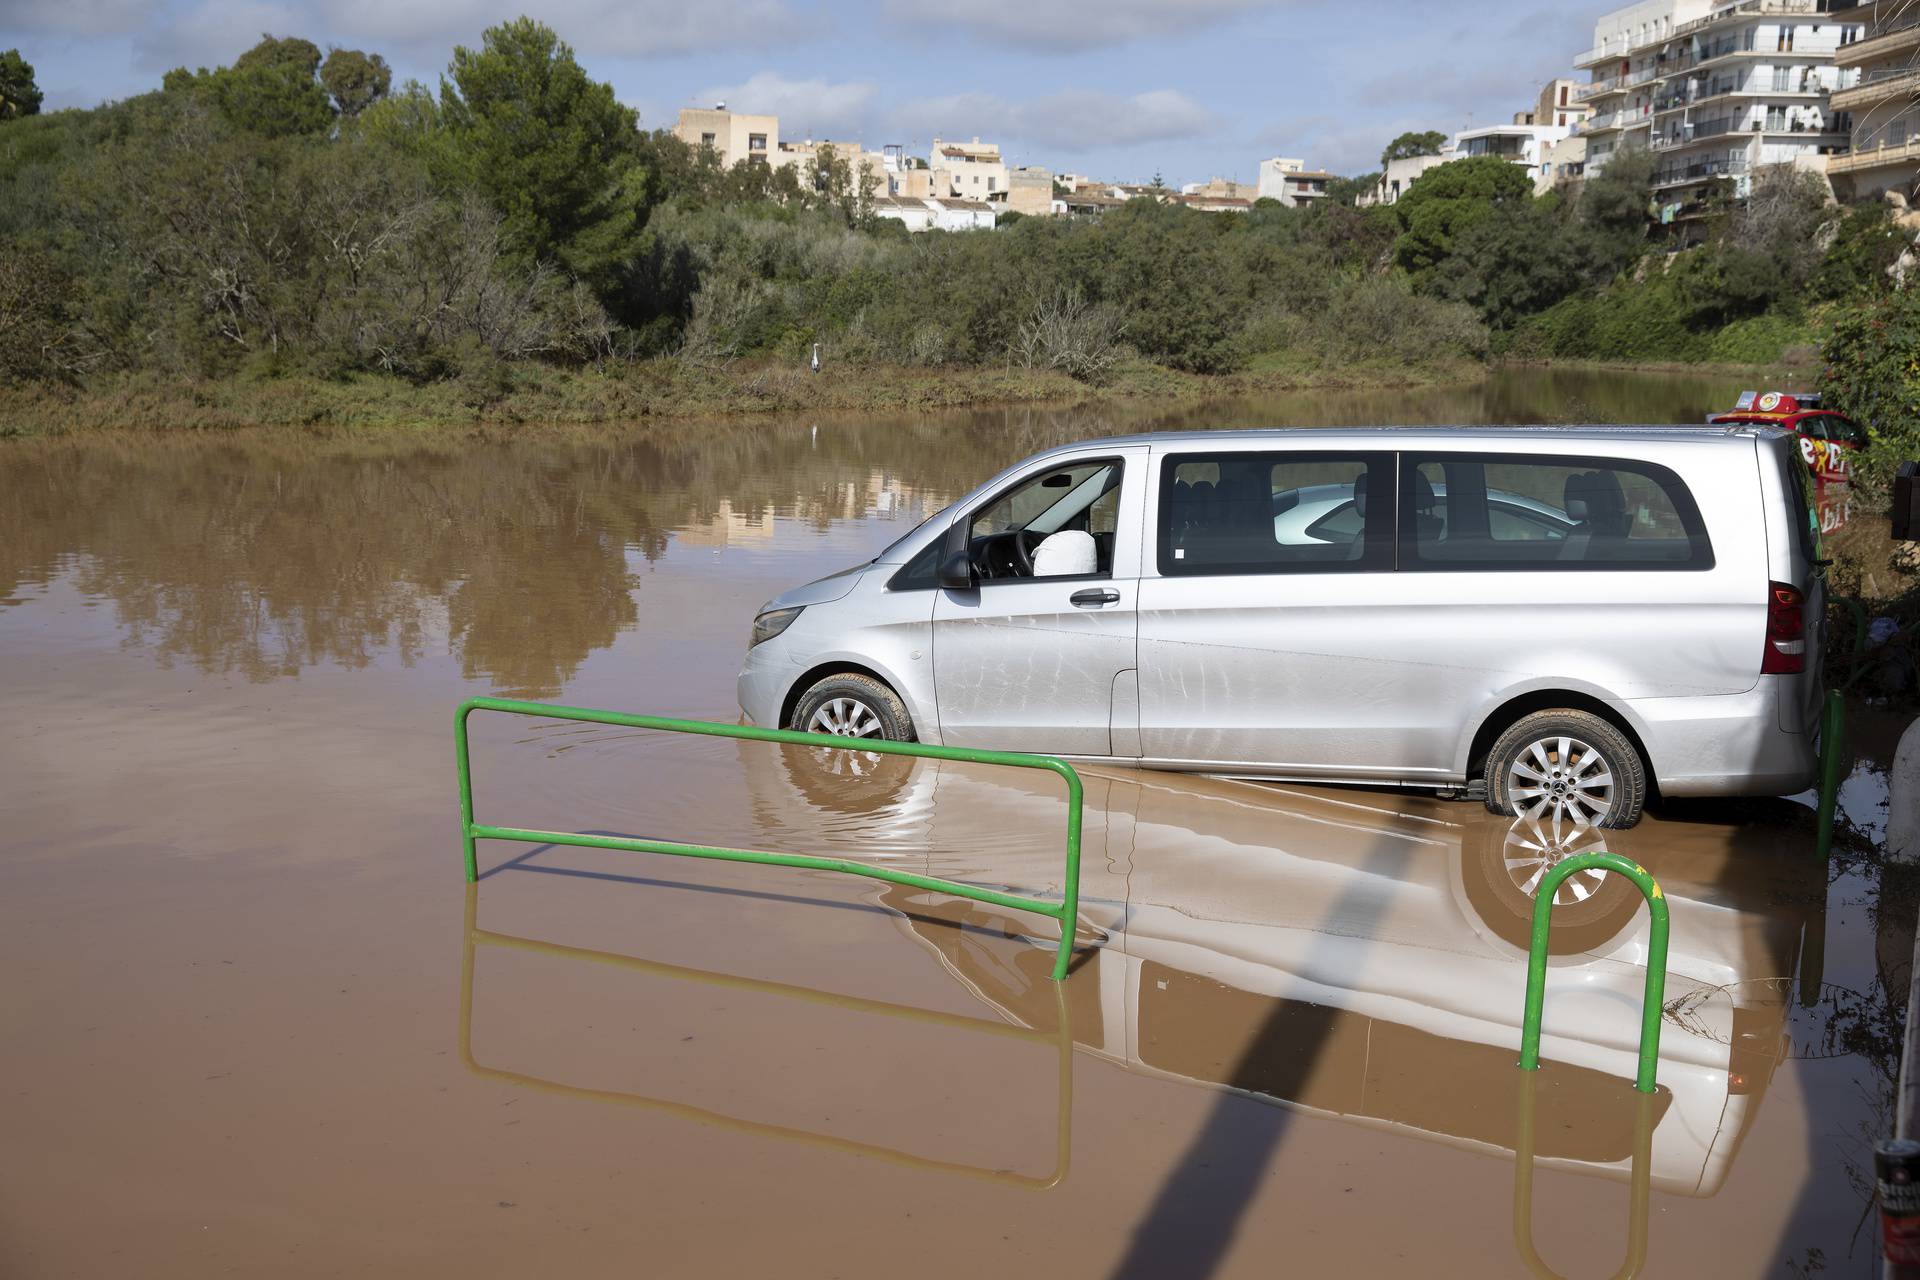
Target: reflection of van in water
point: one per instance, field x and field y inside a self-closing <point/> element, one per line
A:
<point x="1572" y="616"/>
<point x="1360" y="957"/>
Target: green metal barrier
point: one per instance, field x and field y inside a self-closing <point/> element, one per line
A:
<point x="1066" y="911"/>
<point x="1652" y="1004"/>
<point x="1833" y="733"/>
<point x="1060" y="1039"/>
<point x="1637" y="1210"/>
<point x="1833" y="752"/>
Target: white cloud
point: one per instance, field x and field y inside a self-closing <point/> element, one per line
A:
<point x="1067" y="24"/>
<point x="423" y="32"/>
<point x="77" y="17"/>
<point x="1073" y="120"/>
<point x="807" y="108"/>
<point x="595" y="28"/>
<point x="213" y="33"/>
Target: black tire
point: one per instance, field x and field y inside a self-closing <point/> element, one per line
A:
<point x="1534" y="743"/>
<point x="828" y="704"/>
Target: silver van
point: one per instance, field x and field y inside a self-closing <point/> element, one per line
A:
<point x="1569" y="616"/>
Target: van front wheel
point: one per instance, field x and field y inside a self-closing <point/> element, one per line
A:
<point x="853" y="706"/>
<point x="1567" y="764"/>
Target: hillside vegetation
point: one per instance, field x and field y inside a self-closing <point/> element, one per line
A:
<point x="294" y="221"/>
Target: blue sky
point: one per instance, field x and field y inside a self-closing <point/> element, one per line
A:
<point x="1114" y="88"/>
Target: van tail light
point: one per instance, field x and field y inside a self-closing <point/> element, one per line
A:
<point x="1786" y="651"/>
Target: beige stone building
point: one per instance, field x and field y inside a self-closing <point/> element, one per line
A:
<point x="1030" y="191"/>
<point x="1559" y="104"/>
<point x="734" y="137"/>
<point x="1215" y="189"/>
<point x="968" y="170"/>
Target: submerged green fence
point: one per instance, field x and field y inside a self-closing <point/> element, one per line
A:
<point x="1066" y="911"/>
<point x="1652" y="1003"/>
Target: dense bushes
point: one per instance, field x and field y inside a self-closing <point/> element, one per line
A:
<point x="288" y="214"/>
<point x="1872" y="375"/>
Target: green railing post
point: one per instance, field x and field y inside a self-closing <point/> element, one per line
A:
<point x="1652" y="1001"/>
<point x="1833" y="731"/>
<point x="466" y="791"/>
<point x="1067" y="912"/>
<point x="1523" y="1187"/>
<point x="1833" y="750"/>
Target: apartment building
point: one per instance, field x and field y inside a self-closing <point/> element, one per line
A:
<point x="1519" y="143"/>
<point x="1399" y="175"/>
<point x="865" y="169"/>
<point x="1625" y="68"/>
<point x="968" y="170"/>
<point x="732" y="136"/>
<point x="1716" y="91"/>
<point x="1290" y="182"/>
<point x="1879" y="60"/>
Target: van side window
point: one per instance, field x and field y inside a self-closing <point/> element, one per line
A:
<point x="1275" y="513"/>
<point x="1511" y="511"/>
<point x="1060" y="523"/>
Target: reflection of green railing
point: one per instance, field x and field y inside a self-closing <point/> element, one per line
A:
<point x="1652" y="1003"/>
<point x="1523" y="1187"/>
<point x="1066" y="911"/>
<point x="1833" y="732"/>
<point x="1061" y="1039"/>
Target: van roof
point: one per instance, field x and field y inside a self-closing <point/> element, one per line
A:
<point x="1651" y="433"/>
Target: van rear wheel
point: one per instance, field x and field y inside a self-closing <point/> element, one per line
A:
<point x="1567" y="764"/>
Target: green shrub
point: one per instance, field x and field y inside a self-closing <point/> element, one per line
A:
<point x="1872" y="374"/>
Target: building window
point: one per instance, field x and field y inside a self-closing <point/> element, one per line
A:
<point x="707" y="139"/>
<point x="990" y="182"/>
<point x="756" y="142"/>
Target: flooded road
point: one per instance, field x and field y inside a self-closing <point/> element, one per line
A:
<point x="257" y="1024"/>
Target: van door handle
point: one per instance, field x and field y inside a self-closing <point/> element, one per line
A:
<point x="1095" y="595"/>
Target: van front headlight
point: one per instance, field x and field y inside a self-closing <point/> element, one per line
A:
<point x="772" y="623"/>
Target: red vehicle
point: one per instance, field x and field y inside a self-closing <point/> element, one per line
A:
<point x="1828" y="440"/>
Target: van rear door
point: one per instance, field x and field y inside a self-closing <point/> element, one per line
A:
<point x="1794" y="560"/>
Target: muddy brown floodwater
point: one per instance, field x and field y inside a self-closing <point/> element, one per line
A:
<point x="254" y="1022"/>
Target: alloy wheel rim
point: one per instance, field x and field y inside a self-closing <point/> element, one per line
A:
<point x="1561" y="776"/>
<point x="1534" y="846"/>
<point x="845" y="718"/>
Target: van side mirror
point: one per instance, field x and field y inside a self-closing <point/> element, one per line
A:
<point x="956" y="558"/>
<point x="956" y="571"/>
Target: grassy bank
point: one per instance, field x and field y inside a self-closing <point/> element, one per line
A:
<point x="639" y="390"/>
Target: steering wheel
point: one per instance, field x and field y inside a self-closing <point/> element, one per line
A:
<point x="1022" y="553"/>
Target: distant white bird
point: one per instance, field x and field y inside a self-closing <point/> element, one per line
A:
<point x="816" y="357"/>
